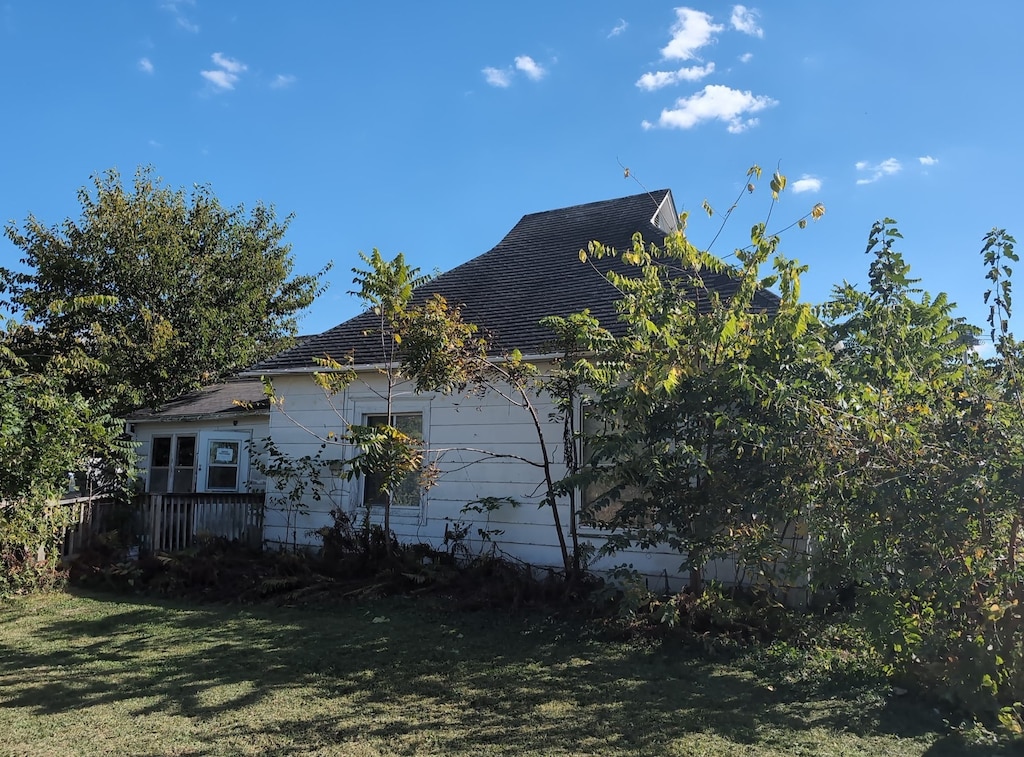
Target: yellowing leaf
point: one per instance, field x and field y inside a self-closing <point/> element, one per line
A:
<point x="817" y="211"/>
<point x="778" y="184"/>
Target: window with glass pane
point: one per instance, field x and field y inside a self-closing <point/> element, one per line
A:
<point x="407" y="493"/>
<point x="222" y="465"/>
<point x="184" y="465"/>
<point x="172" y="464"/>
<point x="160" y="464"/>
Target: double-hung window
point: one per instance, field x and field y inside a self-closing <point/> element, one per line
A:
<point x="408" y="492"/>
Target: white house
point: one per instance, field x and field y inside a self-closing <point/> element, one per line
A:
<point x="533" y="272"/>
<point x="194" y="456"/>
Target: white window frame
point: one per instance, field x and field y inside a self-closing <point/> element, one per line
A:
<point x="363" y="410"/>
<point x="172" y="461"/>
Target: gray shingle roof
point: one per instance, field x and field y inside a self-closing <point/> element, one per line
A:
<point x="533" y="272"/>
<point x="214" y="400"/>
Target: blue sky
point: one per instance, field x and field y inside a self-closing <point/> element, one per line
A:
<point x="431" y="128"/>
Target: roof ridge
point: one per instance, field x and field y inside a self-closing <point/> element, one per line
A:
<point x="656" y="195"/>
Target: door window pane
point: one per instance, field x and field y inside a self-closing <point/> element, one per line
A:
<point x="186" y="451"/>
<point x="158" y="480"/>
<point x="222" y="477"/>
<point x="185" y="465"/>
<point x="222" y="465"/>
<point x="161" y="452"/>
<point x="160" y="464"/>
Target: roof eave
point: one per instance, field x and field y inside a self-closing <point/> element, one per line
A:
<point x="310" y="369"/>
<point x="192" y="417"/>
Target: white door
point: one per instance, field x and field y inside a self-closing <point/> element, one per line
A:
<point x="223" y="461"/>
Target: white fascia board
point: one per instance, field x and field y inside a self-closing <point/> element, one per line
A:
<point x="667" y="211"/>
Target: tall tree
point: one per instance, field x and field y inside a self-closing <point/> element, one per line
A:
<point x="922" y="507"/>
<point x="696" y="405"/>
<point x="160" y="289"/>
<point x="46" y="431"/>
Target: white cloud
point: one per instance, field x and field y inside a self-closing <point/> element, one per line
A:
<point x="652" y="81"/>
<point x="806" y="183"/>
<point x="691" y="31"/>
<point x="229" y="64"/>
<point x="530" y="67"/>
<point x="146" y="65"/>
<point x="927" y="160"/>
<point x="887" y="167"/>
<point x="220" y="79"/>
<point x="715" y="102"/>
<point x="619" y="28"/>
<point x="281" y="81"/>
<point x="744" y="20"/>
<point x="502" y="77"/>
<point x="746" y="57"/>
<point x="498" y="77"/>
<point x="227" y="72"/>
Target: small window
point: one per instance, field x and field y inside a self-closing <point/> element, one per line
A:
<point x="222" y="466"/>
<point x="407" y="493"/>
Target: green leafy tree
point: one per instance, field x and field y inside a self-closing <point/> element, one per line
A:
<point x="697" y="404"/>
<point x="922" y="508"/>
<point x="387" y="452"/>
<point x="153" y="292"/>
<point x="902" y="360"/>
<point x="47" y="431"/>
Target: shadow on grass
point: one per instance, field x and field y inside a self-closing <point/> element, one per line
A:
<point x="412" y="677"/>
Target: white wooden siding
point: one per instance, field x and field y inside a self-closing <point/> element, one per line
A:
<point x="452" y="425"/>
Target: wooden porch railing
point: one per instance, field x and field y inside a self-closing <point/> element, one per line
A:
<point x="90" y="518"/>
<point x="173" y="522"/>
<point x="167" y="522"/>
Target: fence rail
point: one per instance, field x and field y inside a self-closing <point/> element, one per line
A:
<point x="166" y="522"/>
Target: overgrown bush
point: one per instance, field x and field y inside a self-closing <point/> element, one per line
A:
<point x="30" y="538"/>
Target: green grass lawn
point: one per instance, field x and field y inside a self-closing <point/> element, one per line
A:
<point x="95" y="675"/>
